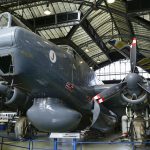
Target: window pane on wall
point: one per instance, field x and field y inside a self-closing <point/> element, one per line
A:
<point x="117" y="71"/>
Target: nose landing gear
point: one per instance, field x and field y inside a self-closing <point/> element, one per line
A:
<point x="136" y="125"/>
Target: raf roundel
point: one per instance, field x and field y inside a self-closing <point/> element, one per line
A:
<point x="52" y="56"/>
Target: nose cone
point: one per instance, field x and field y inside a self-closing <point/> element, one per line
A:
<point x="132" y="80"/>
<point x="7" y="42"/>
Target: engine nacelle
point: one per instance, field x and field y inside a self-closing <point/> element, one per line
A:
<point x="13" y="97"/>
<point x="51" y="115"/>
<point x="16" y="98"/>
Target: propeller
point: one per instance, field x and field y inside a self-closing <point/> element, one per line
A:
<point x="133" y="55"/>
<point x="5" y="91"/>
<point x="133" y="88"/>
<point x="108" y="93"/>
<point x="11" y="96"/>
<point x="145" y="87"/>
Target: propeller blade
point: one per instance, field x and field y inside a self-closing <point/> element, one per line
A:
<point x="96" y="112"/>
<point x="133" y="55"/>
<point x="145" y="87"/>
<point x="108" y="93"/>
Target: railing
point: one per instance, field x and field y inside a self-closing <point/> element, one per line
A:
<point x="54" y="145"/>
<point x="28" y="144"/>
<point x="77" y="145"/>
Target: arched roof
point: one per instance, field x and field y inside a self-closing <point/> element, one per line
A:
<point x="87" y="24"/>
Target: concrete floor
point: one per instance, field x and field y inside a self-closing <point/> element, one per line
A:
<point x="45" y="143"/>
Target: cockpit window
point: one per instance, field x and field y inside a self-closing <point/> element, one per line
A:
<point x="4" y="20"/>
<point x="67" y="49"/>
<point x="8" y="20"/>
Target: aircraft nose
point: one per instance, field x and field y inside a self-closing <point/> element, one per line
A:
<point x="6" y="40"/>
<point x="132" y="80"/>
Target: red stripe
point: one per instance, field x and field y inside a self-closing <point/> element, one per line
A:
<point x="101" y="100"/>
<point x="96" y="97"/>
<point x="134" y="42"/>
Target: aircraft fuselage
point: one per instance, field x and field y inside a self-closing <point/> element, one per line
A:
<point x="54" y="87"/>
<point x="41" y="69"/>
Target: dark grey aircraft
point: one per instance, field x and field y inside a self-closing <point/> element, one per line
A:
<point x="51" y="86"/>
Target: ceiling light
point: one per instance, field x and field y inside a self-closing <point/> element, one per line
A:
<point x="86" y="50"/>
<point x="47" y="11"/>
<point x="110" y="1"/>
<point x="98" y="61"/>
<point x="81" y="62"/>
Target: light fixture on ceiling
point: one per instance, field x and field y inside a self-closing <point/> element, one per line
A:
<point x="81" y="62"/>
<point x="87" y="48"/>
<point x="110" y="1"/>
<point x="98" y="61"/>
<point x="47" y="11"/>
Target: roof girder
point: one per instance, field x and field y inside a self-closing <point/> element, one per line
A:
<point x="95" y="37"/>
<point x="21" y="4"/>
<point x="52" y="21"/>
<point x="66" y="41"/>
<point x="138" y="20"/>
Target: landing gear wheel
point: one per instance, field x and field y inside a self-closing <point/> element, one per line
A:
<point x="137" y="129"/>
<point x="30" y="131"/>
<point x="132" y="132"/>
<point x="21" y="128"/>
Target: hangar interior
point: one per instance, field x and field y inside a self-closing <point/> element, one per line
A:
<point x="90" y="27"/>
